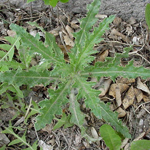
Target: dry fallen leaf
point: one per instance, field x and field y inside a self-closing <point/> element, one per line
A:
<point x="104" y="87"/>
<point x="11" y="33"/>
<point x="121" y="112"/>
<point x="122" y="87"/>
<point x="55" y="31"/>
<point x="129" y="98"/>
<point x="114" y="32"/>
<point x="146" y="98"/>
<point x="70" y="31"/>
<point x="33" y="32"/>
<point x="75" y="24"/>
<point x="68" y="41"/>
<point x="118" y="96"/>
<point x="125" y="80"/>
<point x="129" y="29"/>
<point x="94" y="133"/>
<point x="44" y="146"/>
<point x="138" y="94"/>
<point x="102" y="56"/>
<point x="142" y="86"/>
<point x="63" y="48"/>
<point x="48" y="128"/>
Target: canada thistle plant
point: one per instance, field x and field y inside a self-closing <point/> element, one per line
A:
<point x="70" y="78"/>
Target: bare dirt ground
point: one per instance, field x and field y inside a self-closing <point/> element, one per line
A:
<point x="127" y="29"/>
<point x="122" y="8"/>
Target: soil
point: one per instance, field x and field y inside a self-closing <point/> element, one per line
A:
<point x="122" y="8"/>
<point x="126" y="29"/>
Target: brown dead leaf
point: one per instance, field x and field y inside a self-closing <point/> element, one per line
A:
<point x="65" y="52"/>
<point x="68" y="41"/>
<point x="48" y="128"/>
<point x="142" y="86"/>
<point x="112" y="107"/>
<point x="138" y="94"/>
<point x="121" y="112"/>
<point x="70" y="31"/>
<point x="114" y="32"/>
<point x="63" y="48"/>
<point x="122" y="87"/>
<point x="118" y="96"/>
<point x="125" y="80"/>
<point x="102" y="56"/>
<point x="104" y="87"/>
<point x="11" y="33"/>
<point x="55" y="31"/>
<point x="129" y="98"/>
<point x="146" y="98"/>
<point x="129" y="29"/>
<point x="75" y="24"/>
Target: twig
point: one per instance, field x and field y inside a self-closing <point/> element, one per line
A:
<point x="132" y="53"/>
<point x="28" y="107"/>
<point x="141" y="105"/>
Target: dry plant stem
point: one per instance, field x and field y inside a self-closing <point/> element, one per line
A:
<point x="145" y="109"/>
<point x="118" y="42"/>
<point x="57" y="139"/>
<point x="142" y="57"/>
<point x="136" y="53"/>
<point x="65" y="138"/>
<point x="115" y="32"/>
<point x="28" y="107"/>
<point x="36" y="132"/>
<point x="141" y="105"/>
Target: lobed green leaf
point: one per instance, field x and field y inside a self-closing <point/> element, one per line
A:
<point x="36" y="46"/>
<point x="52" y="106"/>
<point x="99" y="109"/>
<point x="30" y="77"/>
<point x="8" y="55"/>
<point x="85" y="25"/>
